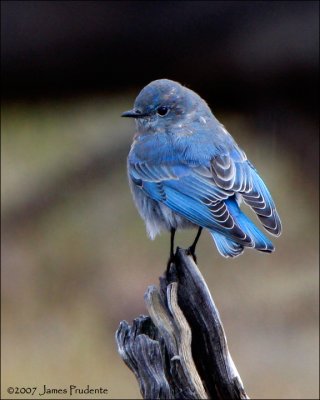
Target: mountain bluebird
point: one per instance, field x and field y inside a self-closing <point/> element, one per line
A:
<point x="185" y="170"/>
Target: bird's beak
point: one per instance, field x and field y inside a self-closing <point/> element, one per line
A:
<point x="133" y="114"/>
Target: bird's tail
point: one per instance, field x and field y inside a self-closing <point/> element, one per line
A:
<point x="260" y="200"/>
<point x="233" y="247"/>
<point x="226" y="246"/>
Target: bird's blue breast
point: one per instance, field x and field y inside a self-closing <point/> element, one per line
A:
<point x="191" y="145"/>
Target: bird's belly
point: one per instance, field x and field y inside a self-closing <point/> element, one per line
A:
<point x="157" y="216"/>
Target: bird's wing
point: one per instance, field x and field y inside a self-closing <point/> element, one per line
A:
<point x="192" y="193"/>
<point x="232" y="171"/>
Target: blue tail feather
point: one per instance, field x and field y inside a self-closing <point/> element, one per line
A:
<point x="226" y="246"/>
<point x="231" y="247"/>
<point x="260" y="241"/>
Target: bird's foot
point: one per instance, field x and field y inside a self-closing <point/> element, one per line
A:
<point x="191" y="252"/>
<point x="172" y="260"/>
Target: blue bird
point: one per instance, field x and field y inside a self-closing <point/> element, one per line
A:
<point x="185" y="170"/>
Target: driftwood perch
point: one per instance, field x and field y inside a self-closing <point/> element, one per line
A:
<point x="180" y="351"/>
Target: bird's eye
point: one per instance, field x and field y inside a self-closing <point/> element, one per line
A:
<point x="162" y="111"/>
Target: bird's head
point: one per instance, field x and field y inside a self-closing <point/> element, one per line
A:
<point x="164" y="103"/>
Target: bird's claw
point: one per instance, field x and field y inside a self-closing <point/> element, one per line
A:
<point x="191" y="252"/>
<point x="171" y="260"/>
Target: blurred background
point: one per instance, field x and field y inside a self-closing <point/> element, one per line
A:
<point x="75" y="256"/>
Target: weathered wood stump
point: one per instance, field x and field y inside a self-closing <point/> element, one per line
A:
<point x="180" y="351"/>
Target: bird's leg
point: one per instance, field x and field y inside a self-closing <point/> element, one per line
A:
<point x="192" y="248"/>
<point x="171" y="258"/>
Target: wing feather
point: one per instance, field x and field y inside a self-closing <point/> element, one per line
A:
<point x="246" y="181"/>
<point x="200" y="192"/>
<point x="191" y="193"/>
